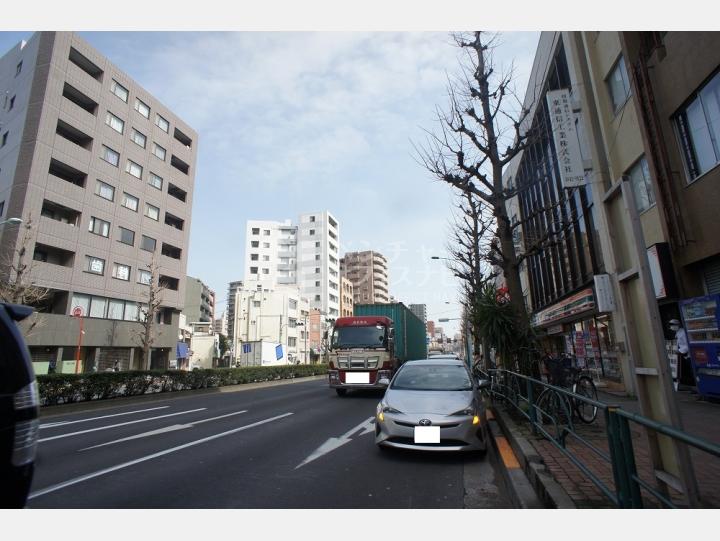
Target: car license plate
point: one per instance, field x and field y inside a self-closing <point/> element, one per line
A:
<point x="357" y="377"/>
<point x="427" y="434"/>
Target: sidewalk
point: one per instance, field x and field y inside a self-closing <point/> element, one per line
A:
<point x="700" y="418"/>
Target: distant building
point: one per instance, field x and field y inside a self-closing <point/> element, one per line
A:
<point x="220" y="326"/>
<point x="420" y="310"/>
<point x="430" y="328"/>
<point x="368" y="273"/>
<point x="271" y="315"/>
<point x="303" y="255"/>
<point x="233" y="288"/>
<point x="199" y="301"/>
<point x="346" y="297"/>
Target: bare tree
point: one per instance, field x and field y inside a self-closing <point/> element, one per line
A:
<point x="484" y="128"/>
<point x="147" y="312"/>
<point x="471" y="231"/>
<point x="16" y="283"/>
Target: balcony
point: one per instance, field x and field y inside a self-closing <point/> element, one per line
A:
<point x="286" y="267"/>
<point x="53" y="256"/>
<point x="76" y="73"/>
<point x="74" y="135"/>
<point x="85" y="64"/>
<point x="67" y="173"/>
<point x="286" y="279"/>
<point x="80" y="100"/>
<point x="286" y="255"/>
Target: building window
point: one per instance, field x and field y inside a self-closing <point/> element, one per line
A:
<point x="254" y="244"/>
<point x="110" y="156"/>
<point x="266" y="245"/>
<point x="99" y="227"/>
<point x="255" y="230"/>
<point x="317" y="297"/>
<point x="266" y="271"/>
<point x="104" y="190"/>
<point x="699" y="129"/>
<point x="161" y="123"/>
<point x="98" y="306"/>
<point x="114" y="122"/>
<point x="94" y="265"/>
<point x="152" y="211"/>
<point x="317" y="257"/>
<point x="253" y="270"/>
<point x="266" y="258"/>
<point x="292" y="304"/>
<point x="619" y="84"/>
<point x="312" y="218"/>
<point x="144" y="277"/>
<point x="155" y="181"/>
<point x="292" y="341"/>
<point x="18" y="69"/>
<point x="119" y="90"/>
<point x="121" y="272"/>
<point x="130" y="201"/>
<point x="312" y="231"/>
<point x="148" y="243"/>
<point x="266" y="232"/>
<point x="138" y="138"/>
<point x="2" y="208"/>
<point x="253" y="257"/>
<point x="134" y="169"/>
<point x="4" y="139"/>
<point x="642" y="185"/>
<point x="159" y="151"/>
<point x="256" y="304"/>
<point x="317" y="284"/>
<point x="12" y="103"/>
<point x="317" y="270"/>
<point x="142" y="108"/>
<point x="127" y="236"/>
<point x="317" y="244"/>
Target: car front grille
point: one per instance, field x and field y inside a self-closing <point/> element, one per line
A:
<point x="413" y="425"/>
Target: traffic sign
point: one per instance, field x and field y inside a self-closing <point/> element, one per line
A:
<point x="77" y="311"/>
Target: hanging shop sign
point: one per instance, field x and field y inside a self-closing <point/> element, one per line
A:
<point x="567" y="144"/>
<point x="604" y="293"/>
<point x="575" y="304"/>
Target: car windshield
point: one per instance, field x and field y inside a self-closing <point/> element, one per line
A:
<point x="359" y="337"/>
<point x="432" y="378"/>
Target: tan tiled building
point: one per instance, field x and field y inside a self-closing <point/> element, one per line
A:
<point x="346" y="297"/>
<point x="368" y="273"/>
<point x="105" y="173"/>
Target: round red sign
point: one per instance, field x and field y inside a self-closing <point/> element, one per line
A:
<point x="77" y="311"/>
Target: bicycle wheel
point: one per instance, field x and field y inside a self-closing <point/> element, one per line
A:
<point x="553" y="408"/>
<point x="585" y="387"/>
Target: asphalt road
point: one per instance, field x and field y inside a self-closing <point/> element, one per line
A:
<point x="288" y="446"/>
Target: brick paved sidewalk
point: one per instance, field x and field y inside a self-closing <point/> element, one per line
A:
<point x="701" y="419"/>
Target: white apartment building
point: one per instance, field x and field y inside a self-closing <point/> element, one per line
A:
<point x="303" y="255"/>
<point x="272" y="315"/>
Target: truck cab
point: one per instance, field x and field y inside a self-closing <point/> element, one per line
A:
<point x="361" y="353"/>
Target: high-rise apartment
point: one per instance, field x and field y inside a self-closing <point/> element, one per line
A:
<point x="306" y="255"/>
<point x="233" y="288"/>
<point x="369" y="276"/>
<point x="102" y="173"/>
<point x="346" y="297"/>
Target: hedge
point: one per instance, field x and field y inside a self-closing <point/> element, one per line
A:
<point x="67" y="388"/>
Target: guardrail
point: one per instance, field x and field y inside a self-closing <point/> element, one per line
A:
<point x="556" y="423"/>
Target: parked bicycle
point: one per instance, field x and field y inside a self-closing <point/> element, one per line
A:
<point x="564" y="372"/>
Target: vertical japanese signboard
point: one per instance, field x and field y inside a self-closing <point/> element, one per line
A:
<point x="567" y="146"/>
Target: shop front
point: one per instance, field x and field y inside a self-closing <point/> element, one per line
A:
<point x="576" y="326"/>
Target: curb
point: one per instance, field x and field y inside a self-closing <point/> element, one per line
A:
<point x="93" y="405"/>
<point x="518" y="487"/>
<point x="545" y="488"/>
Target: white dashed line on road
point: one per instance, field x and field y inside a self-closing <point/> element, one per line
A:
<point x="63" y="423"/>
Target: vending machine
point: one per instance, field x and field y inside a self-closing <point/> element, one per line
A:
<point x="702" y="325"/>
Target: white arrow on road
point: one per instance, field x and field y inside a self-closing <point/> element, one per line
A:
<point x="170" y="428"/>
<point x="330" y="445"/>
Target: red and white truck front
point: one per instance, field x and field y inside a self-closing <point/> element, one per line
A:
<point x="360" y="353"/>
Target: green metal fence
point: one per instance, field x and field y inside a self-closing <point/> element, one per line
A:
<point x="558" y="426"/>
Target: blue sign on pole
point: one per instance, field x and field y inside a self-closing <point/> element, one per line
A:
<point x="279" y="352"/>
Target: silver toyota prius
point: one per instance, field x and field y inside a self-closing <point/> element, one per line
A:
<point x="433" y="405"/>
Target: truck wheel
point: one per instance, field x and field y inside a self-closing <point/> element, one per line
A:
<point x="341" y="392"/>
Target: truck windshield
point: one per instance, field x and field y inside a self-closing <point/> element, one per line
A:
<point x="359" y="337"/>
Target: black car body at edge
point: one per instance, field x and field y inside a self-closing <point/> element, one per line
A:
<point x="19" y="408"/>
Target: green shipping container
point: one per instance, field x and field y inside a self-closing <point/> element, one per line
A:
<point x="410" y="332"/>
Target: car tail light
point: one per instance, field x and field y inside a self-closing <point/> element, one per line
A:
<point x="27" y="397"/>
<point x="25" y="443"/>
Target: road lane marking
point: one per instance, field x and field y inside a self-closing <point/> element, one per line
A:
<point x="63" y="423"/>
<point x="170" y="428"/>
<point x="118" y="424"/>
<point x="111" y="469"/>
<point x="330" y="445"/>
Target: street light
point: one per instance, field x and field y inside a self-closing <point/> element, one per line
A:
<point x="12" y="221"/>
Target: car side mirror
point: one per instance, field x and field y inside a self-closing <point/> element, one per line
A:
<point x="384" y="381"/>
<point x="484" y="383"/>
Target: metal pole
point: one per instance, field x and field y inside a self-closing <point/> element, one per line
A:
<point x="77" y="353"/>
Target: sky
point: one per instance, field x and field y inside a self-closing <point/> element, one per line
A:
<point x="294" y="122"/>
